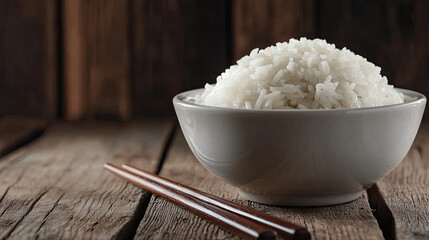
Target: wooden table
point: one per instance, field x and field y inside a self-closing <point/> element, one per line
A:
<point x="53" y="186"/>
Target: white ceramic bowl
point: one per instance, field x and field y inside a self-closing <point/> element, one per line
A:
<point x="300" y="157"/>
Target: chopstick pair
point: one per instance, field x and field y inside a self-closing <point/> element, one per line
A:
<point x="245" y="222"/>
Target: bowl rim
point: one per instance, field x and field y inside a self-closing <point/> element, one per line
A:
<point x="179" y="100"/>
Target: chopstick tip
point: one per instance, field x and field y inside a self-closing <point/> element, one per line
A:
<point x="269" y="235"/>
<point x="302" y="234"/>
<point x="109" y="166"/>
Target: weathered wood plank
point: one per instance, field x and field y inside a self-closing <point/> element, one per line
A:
<point x="164" y="220"/>
<point x="259" y="24"/>
<point x="406" y="192"/>
<point x="16" y="131"/>
<point x="56" y="188"/>
<point x="28" y="57"/>
<point x="96" y="59"/>
<point x="176" y="45"/>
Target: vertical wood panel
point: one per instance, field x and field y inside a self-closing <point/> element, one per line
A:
<point x="259" y="24"/>
<point x="74" y="64"/>
<point x="96" y="59"/>
<point x="28" y="57"/>
<point x="392" y="34"/>
<point x="176" y="46"/>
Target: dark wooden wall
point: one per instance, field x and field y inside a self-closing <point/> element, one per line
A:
<point x="77" y="59"/>
<point x="28" y="57"/>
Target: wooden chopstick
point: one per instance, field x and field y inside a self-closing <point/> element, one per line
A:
<point x="285" y="229"/>
<point x="225" y="219"/>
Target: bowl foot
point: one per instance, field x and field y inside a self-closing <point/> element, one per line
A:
<point x="323" y="199"/>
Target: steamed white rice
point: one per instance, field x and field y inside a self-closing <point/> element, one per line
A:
<point x="300" y="74"/>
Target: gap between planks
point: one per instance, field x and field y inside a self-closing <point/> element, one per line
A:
<point x="402" y="197"/>
<point x="381" y="212"/>
<point x="129" y="231"/>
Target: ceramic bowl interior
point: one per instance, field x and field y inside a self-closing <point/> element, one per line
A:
<point x="300" y="157"/>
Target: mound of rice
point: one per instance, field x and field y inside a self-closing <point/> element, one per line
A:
<point x="300" y="74"/>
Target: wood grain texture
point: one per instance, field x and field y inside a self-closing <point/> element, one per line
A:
<point x="406" y="190"/>
<point x="259" y="24"/>
<point x="164" y="220"/>
<point x="176" y="45"/>
<point x="16" y="131"/>
<point x="56" y="187"/>
<point x="28" y="58"/>
<point x="391" y="34"/>
<point x="96" y="59"/>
